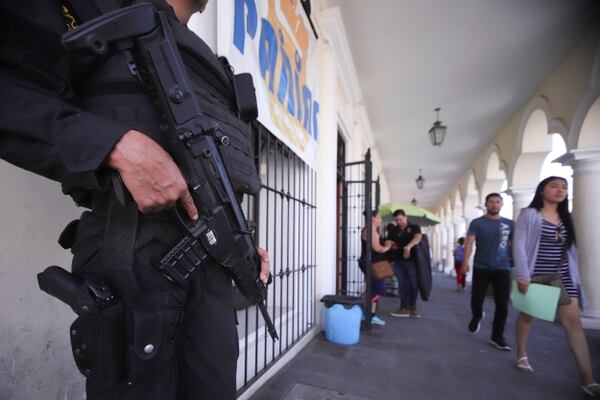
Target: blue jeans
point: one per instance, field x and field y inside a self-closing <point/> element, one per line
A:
<point x="406" y="274"/>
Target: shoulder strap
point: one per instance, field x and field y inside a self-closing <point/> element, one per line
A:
<point x="119" y="235"/>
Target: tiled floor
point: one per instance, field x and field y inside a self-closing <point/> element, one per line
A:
<point x="434" y="357"/>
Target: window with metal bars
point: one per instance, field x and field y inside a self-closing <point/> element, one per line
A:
<point x="284" y="216"/>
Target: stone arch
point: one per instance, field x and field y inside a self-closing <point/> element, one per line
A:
<point x="533" y="143"/>
<point x="448" y="211"/>
<point x="458" y="217"/>
<point x="586" y="121"/>
<point x="457" y="209"/>
<point x="589" y="134"/>
<point x="533" y="146"/>
<point x="550" y="167"/>
<point x="496" y="181"/>
<point x="495" y="173"/>
<point x="472" y="198"/>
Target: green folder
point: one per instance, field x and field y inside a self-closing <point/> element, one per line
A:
<point x="540" y="301"/>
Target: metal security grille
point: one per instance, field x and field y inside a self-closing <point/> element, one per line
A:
<point x="358" y="195"/>
<point x="284" y="214"/>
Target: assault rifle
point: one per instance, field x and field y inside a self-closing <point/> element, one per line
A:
<point x="221" y="232"/>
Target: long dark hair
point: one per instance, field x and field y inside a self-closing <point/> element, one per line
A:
<point x="563" y="207"/>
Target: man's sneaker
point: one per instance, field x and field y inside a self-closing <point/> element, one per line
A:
<point x="414" y="313"/>
<point x="401" y="312"/>
<point x="500" y="344"/>
<point x="375" y="320"/>
<point x="475" y="323"/>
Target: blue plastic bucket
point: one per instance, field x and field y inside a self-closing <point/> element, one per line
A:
<point x="342" y="325"/>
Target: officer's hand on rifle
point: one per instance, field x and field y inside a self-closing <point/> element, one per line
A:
<point x="264" y="265"/>
<point x="150" y="174"/>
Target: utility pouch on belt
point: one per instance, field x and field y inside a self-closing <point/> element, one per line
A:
<point x="152" y="341"/>
<point x="98" y="333"/>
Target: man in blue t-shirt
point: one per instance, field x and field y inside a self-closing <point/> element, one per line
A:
<point x="492" y="263"/>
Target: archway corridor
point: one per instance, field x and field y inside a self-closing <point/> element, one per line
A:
<point x="434" y="357"/>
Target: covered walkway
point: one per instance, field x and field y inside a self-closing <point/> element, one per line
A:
<point x="433" y="358"/>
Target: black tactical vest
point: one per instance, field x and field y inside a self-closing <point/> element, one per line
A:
<point x="113" y="91"/>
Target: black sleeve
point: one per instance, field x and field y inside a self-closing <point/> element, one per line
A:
<point x="41" y="133"/>
<point x="40" y="128"/>
<point x="416" y="230"/>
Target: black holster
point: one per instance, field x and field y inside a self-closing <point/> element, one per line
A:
<point x="98" y="335"/>
<point x="119" y="347"/>
<point x="98" y="342"/>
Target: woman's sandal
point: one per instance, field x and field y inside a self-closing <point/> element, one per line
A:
<point x="523" y="365"/>
<point x="592" y="390"/>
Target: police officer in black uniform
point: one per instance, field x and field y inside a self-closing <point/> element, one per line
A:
<point x="78" y="119"/>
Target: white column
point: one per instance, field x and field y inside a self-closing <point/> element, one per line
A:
<point x="437" y="247"/>
<point x="586" y="217"/>
<point x="326" y="179"/>
<point x="442" y="245"/>
<point x="522" y="196"/>
<point x="433" y="239"/>
<point x="438" y="244"/>
<point x="467" y="224"/>
<point x="460" y="230"/>
<point x="449" y="266"/>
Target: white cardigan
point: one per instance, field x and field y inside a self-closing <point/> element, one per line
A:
<point x="526" y="242"/>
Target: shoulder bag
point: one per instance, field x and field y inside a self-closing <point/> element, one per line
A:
<point x="382" y="270"/>
<point x="556" y="281"/>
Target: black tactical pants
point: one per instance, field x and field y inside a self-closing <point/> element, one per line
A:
<point x="179" y="343"/>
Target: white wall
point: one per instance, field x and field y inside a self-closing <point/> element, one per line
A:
<point x="205" y="25"/>
<point x="35" y="355"/>
<point x="327" y="180"/>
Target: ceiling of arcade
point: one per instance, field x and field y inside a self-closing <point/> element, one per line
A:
<point x="480" y="61"/>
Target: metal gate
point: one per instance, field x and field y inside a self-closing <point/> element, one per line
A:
<point x="284" y="217"/>
<point x="358" y="195"/>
